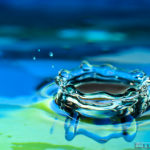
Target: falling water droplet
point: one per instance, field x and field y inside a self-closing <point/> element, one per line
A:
<point x="51" y="54"/>
<point x="34" y="58"/>
<point x="39" y="50"/>
<point x="53" y="66"/>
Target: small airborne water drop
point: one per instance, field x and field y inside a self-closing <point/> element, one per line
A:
<point x="34" y="58"/>
<point x="51" y="54"/>
<point x="39" y="50"/>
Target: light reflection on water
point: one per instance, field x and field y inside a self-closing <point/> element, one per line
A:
<point x="102" y="131"/>
<point x="38" y="127"/>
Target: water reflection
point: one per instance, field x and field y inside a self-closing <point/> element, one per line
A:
<point x="85" y="98"/>
<point x="101" y="130"/>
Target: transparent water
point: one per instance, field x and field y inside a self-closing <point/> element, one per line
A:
<point x="30" y="121"/>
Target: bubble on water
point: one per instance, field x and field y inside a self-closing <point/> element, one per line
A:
<point x="34" y="58"/>
<point x="39" y="50"/>
<point x="51" y="54"/>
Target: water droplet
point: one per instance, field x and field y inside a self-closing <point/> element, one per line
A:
<point x="51" y="54"/>
<point x="34" y="58"/>
<point x="108" y="66"/>
<point x="64" y="73"/>
<point x="53" y="66"/>
<point x="39" y="50"/>
<point x="85" y="66"/>
<point x="137" y="73"/>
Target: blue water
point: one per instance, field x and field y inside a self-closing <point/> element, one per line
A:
<point x="29" y="119"/>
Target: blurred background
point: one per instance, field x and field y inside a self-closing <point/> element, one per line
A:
<point x="38" y="38"/>
<point x="72" y="29"/>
